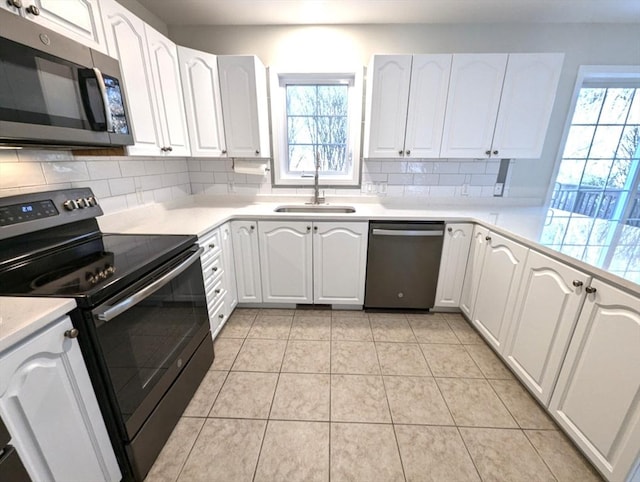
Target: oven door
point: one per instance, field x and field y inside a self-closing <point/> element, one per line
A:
<point x="148" y="334"/>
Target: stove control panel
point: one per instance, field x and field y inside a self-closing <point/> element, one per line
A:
<point x="80" y="203"/>
<point x="27" y="213"/>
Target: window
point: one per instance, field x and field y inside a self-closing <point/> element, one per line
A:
<point x="595" y="207"/>
<point x="316" y="121"/>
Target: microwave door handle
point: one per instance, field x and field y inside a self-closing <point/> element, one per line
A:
<point x="105" y="99"/>
<point x="122" y="306"/>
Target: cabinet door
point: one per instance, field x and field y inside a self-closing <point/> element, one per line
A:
<point x="48" y="405"/>
<point x="499" y="281"/>
<point x="427" y="104"/>
<point x="201" y="89"/>
<point x="473" y="270"/>
<point x="246" y="259"/>
<point x="77" y="19"/>
<point x="389" y="77"/>
<point x="126" y="42"/>
<point x="285" y="261"/>
<point x="547" y="308"/>
<point x="526" y="103"/>
<point x="231" y="298"/>
<point x="339" y="262"/>
<point x="455" y="252"/>
<point x="596" y="397"/>
<point x="163" y="55"/>
<point x="243" y="89"/>
<point x="472" y="104"/>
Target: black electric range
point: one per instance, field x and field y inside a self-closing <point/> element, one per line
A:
<point x="142" y="321"/>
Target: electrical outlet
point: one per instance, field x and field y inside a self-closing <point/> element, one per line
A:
<point x="465" y="190"/>
<point x="497" y="189"/>
<point x="231" y="187"/>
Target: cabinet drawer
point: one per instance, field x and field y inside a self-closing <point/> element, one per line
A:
<point x="212" y="269"/>
<point x="217" y="318"/>
<point x="215" y="292"/>
<point x="211" y="244"/>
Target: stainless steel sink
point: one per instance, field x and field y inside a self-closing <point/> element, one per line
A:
<point x="314" y="208"/>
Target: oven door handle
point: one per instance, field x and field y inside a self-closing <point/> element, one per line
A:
<point x="122" y="306"/>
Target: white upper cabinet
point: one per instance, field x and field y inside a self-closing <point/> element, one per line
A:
<point x="243" y="88"/>
<point x="388" y="80"/>
<point x="472" y="104"/>
<point x="502" y="270"/>
<point x="528" y="95"/>
<point x="127" y="42"/>
<point x="286" y="261"/>
<point x="151" y="81"/>
<point x="339" y="262"/>
<point x="49" y="407"/>
<point x="201" y="89"/>
<point x="499" y="105"/>
<point x="596" y="397"/>
<point x="453" y="264"/>
<point x="165" y="69"/>
<point x="406" y="101"/>
<point x="547" y="308"/>
<point x="76" y="19"/>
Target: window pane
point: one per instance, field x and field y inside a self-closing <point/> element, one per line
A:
<point x="620" y="171"/>
<point x="634" y="112"/>
<point x="571" y="171"/>
<point x="629" y="147"/>
<point x="332" y="100"/>
<point x="300" y="130"/>
<point x="596" y="172"/>
<point x="616" y="106"/>
<point x="605" y="142"/>
<point x="578" y="142"/>
<point x="301" y="100"/>
<point x="301" y="158"/>
<point x="588" y="106"/>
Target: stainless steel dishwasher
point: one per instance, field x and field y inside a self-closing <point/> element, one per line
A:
<point x="402" y="264"/>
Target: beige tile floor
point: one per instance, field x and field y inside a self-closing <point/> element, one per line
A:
<point x="350" y="396"/>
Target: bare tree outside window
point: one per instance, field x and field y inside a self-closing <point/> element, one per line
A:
<point x="317" y="126"/>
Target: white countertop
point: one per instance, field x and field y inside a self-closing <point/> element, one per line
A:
<point x="201" y="213"/>
<point x="21" y="317"/>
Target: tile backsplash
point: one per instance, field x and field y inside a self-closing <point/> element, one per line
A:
<point x="122" y="182"/>
<point x="119" y="182"/>
<point x="434" y="178"/>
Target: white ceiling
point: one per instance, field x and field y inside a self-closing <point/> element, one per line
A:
<point x="306" y="12"/>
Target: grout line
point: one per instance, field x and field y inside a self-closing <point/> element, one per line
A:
<point x="195" y="440"/>
<point x="468" y="452"/>
<point x="539" y="454"/>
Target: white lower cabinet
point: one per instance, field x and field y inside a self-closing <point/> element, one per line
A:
<point x="547" y="308"/>
<point x="286" y="261"/>
<point x="455" y="252"/>
<point x="596" y="398"/>
<point x="339" y="262"/>
<point x="246" y="257"/>
<point x="473" y="270"/>
<point x="313" y="262"/>
<point x="502" y="267"/>
<point x="48" y="404"/>
<point x="231" y="299"/>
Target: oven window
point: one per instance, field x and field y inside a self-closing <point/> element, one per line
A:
<point x="146" y="347"/>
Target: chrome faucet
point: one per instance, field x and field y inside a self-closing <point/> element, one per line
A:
<point x="317" y="199"/>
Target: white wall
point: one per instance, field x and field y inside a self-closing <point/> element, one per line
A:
<point x="354" y="44"/>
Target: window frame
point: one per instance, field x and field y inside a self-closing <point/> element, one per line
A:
<point x="278" y="80"/>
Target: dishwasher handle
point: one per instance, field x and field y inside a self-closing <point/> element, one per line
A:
<point x="406" y="232"/>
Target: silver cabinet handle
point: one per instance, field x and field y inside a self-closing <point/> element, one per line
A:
<point x="487" y="238"/>
<point x="308" y="228"/>
<point x="408" y="152"/>
<point x="450" y="229"/>
<point x="400" y="232"/>
<point x="221" y="316"/>
<point x="400" y="152"/>
<point x="590" y="289"/>
<point x="488" y="153"/>
<point x="33" y="10"/>
<point x="15" y="3"/>
<point x="212" y="245"/>
<point x="119" y="308"/>
<point x="577" y="283"/>
<point x="495" y="153"/>
<point x="214" y="269"/>
<point x="72" y="333"/>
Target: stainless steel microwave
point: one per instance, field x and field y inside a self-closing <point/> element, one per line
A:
<point x="55" y="91"/>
